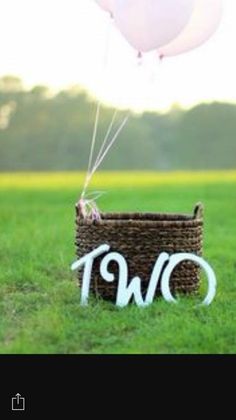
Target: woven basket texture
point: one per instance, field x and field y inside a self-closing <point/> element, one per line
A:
<point x="141" y="238"/>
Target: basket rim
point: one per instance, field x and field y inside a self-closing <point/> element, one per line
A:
<point x="146" y="216"/>
<point x="146" y="219"/>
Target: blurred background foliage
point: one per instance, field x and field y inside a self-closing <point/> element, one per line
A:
<point x="40" y="131"/>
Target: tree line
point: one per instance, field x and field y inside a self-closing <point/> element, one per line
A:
<point x="40" y="131"/>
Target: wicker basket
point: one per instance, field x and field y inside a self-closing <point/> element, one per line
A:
<point x="140" y="238"/>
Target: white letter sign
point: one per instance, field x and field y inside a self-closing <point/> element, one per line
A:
<point x="177" y="259"/>
<point x="126" y="290"/>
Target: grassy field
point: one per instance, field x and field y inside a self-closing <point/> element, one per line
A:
<point x="39" y="297"/>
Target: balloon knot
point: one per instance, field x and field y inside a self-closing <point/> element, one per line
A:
<point x="87" y="209"/>
<point x="140" y="58"/>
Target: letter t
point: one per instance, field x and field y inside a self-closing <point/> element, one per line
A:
<point x="88" y="260"/>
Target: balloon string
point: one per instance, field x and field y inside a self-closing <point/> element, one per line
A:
<point x="96" y="122"/>
<point x="112" y="141"/>
<point x="92" y="147"/>
<point x="106" y="144"/>
<point x="122" y="125"/>
<point x="106" y="138"/>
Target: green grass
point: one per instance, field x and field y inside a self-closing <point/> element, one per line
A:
<point x="39" y="297"/>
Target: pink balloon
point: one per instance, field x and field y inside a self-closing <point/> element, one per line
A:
<point x="105" y="4"/>
<point x="149" y="24"/>
<point x="203" y="23"/>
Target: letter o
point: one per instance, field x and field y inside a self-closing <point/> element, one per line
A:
<point x="177" y="259"/>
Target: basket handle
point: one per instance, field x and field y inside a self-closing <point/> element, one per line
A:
<point x="198" y="211"/>
<point x="80" y="210"/>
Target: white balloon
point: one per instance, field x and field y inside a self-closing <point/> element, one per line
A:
<point x="203" y="23"/>
<point x="149" y="24"/>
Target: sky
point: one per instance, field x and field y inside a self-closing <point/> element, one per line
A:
<point x="62" y="43"/>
